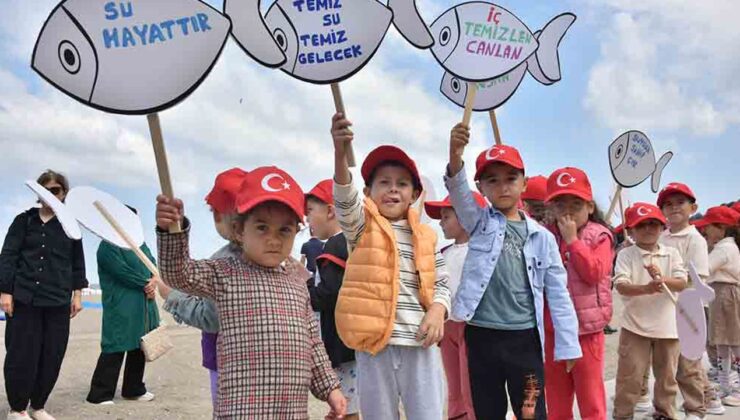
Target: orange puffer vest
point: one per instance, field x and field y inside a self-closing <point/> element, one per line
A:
<point x="366" y="307"/>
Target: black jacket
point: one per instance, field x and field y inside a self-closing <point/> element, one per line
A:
<point x="330" y="266"/>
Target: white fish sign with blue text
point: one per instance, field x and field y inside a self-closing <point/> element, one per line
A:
<point x="479" y="41"/>
<point x="130" y="57"/>
<point x="632" y="160"/>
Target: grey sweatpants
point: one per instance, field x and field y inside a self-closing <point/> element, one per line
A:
<point x="411" y="375"/>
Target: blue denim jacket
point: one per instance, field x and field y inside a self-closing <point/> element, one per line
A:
<point x="547" y="276"/>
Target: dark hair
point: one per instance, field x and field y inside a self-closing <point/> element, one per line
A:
<point x="313" y="198"/>
<point x="598" y="217"/>
<point x="392" y="164"/>
<point x="269" y="205"/>
<point x="51" y="175"/>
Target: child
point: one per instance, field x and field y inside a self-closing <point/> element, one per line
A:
<point x="534" y="198"/>
<point x="724" y="312"/>
<point x="269" y="350"/>
<point x="678" y="203"/>
<point x="454" y="350"/>
<point x="196" y="311"/>
<point x="513" y="265"/>
<point x="323" y="221"/>
<point x="586" y="246"/>
<point x="649" y="315"/>
<point x="394" y="297"/>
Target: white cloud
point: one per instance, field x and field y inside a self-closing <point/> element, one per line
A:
<point x="667" y="66"/>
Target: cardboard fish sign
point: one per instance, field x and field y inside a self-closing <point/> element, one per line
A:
<point x="408" y="21"/>
<point x="491" y="94"/>
<point x="129" y="57"/>
<point x="80" y="201"/>
<point x="327" y="41"/>
<point x="632" y="160"/>
<point x="690" y="320"/>
<point x="63" y="214"/>
<point x="479" y="41"/>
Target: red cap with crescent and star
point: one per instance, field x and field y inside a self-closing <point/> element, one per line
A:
<point x="569" y="181"/>
<point x="498" y="154"/>
<point x="270" y="183"/>
<point x="640" y="212"/>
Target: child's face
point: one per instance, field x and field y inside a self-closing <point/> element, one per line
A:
<point x="678" y="208"/>
<point x="714" y="233"/>
<point x="536" y="209"/>
<point x="575" y="207"/>
<point x="319" y="216"/>
<point x="502" y="185"/>
<point x="224" y="225"/>
<point x="393" y="192"/>
<point x="268" y="233"/>
<point x="647" y="233"/>
<point x="450" y="225"/>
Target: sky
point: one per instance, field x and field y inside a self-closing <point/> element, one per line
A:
<point x="665" y="68"/>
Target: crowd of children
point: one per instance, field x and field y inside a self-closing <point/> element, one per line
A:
<point x="512" y="313"/>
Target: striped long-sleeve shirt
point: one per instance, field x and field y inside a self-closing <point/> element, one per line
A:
<point x="409" y="312"/>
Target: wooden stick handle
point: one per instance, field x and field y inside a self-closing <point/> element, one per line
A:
<point x="469" y="101"/>
<point x="622" y="215"/>
<point x="613" y="204"/>
<point x="339" y="107"/>
<point x="126" y="238"/>
<point x="160" y="155"/>
<point x="494" y="124"/>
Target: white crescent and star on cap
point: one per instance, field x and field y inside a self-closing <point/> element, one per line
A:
<point x="266" y="183"/>
<point x="565" y="179"/>
<point x="643" y="211"/>
<point x="498" y="153"/>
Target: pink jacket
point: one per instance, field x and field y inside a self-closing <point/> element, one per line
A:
<point x="589" y="263"/>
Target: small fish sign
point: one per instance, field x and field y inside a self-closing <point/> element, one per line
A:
<point x="323" y="41"/>
<point x="81" y="202"/>
<point x="632" y="160"/>
<point x="493" y="93"/>
<point x="409" y="23"/>
<point x="478" y="41"/>
<point x="129" y="57"/>
<point x="690" y="320"/>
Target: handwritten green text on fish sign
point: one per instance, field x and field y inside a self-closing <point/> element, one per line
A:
<point x="491" y="38"/>
<point x="335" y="37"/>
<point x="142" y="34"/>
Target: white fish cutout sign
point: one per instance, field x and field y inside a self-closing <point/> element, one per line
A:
<point x="81" y="202"/>
<point x="478" y="41"/>
<point x="129" y="57"/>
<point x="632" y="160"/>
<point x="63" y="214"/>
<point x="690" y="320"/>
<point x="327" y="41"/>
<point x="410" y="24"/>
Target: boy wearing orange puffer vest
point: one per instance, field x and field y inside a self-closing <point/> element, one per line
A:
<point x="394" y="297"/>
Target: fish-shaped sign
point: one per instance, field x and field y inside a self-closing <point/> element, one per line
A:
<point x="327" y="41"/>
<point x="261" y="42"/>
<point x="129" y="57"/>
<point x="65" y="217"/>
<point x="81" y="202"/>
<point x="491" y="94"/>
<point x="479" y="41"/>
<point x="690" y="320"/>
<point x="632" y="160"/>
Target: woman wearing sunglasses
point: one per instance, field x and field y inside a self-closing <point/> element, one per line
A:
<point x="42" y="274"/>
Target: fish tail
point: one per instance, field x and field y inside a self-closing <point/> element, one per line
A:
<point x="410" y="24"/>
<point x="655" y="180"/>
<point x="545" y="62"/>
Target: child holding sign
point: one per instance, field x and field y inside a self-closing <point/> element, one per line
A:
<point x="269" y="344"/>
<point x="513" y="265"/>
<point x="586" y="246"/>
<point x="394" y="296"/>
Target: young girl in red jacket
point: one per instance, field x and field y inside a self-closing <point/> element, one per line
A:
<point x="586" y="246"/>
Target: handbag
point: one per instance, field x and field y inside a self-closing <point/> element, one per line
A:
<point x="156" y="342"/>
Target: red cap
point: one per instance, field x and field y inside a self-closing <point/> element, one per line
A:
<point x="674" y="188"/>
<point x="388" y="153"/>
<point x="639" y="212"/>
<point x="501" y="154"/>
<point x="736" y="207"/>
<point x="269" y="183"/>
<point x="222" y="197"/>
<point x="324" y="191"/>
<point x="569" y="181"/>
<point x="619" y="229"/>
<point x="536" y="188"/>
<point x="720" y="215"/>
<point x="434" y="208"/>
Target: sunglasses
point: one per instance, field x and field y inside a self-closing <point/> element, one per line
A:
<point x="55" y="190"/>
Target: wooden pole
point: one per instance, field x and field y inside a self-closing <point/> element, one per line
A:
<point x="622" y="215"/>
<point x="469" y="101"/>
<point x="160" y="155"/>
<point x="494" y="124"/>
<point x="339" y="106"/>
<point x="126" y="238"/>
<point x="613" y="204"/>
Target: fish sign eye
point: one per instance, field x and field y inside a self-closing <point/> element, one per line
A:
<point x="620" y="150"/>
<point x="280" y="38"/>
<point x="444" y="36"/>
<point x="455" y="85"/>
<point x="69" y="57"/>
